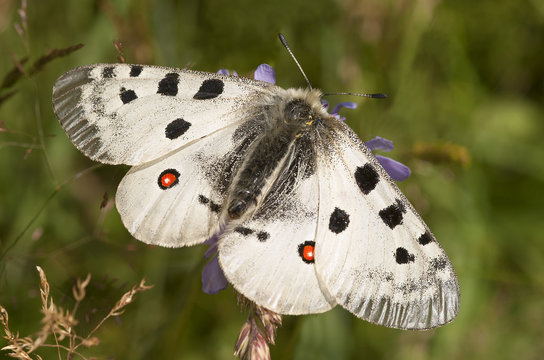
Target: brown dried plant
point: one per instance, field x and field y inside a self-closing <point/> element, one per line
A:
<point x="20" y="69"/>
<point x="60" y="323"/>
<point x="257" y="332"/>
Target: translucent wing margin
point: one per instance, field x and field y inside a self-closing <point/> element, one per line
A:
<point x="373" y="252"/>
<point x="131" y="114"/>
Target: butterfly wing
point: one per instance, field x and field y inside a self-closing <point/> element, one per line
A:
<point x="373" y="252"/>
<point x="176" y="200"/>
<point x="269" y="258"/>
<point x="131" y="114"/>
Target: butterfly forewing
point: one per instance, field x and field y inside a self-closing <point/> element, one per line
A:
<point x="373" y="252"/>
<point x="131" y="114"/>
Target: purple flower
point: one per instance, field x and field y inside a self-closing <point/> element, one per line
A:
<point x="336" y="109"/>
<point x="213" y="278"/>
<point x="227" y="72"/>
<point x="264" y="72"/>
<point x="395" y="169"/>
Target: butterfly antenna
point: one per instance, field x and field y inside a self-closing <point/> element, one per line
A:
<point x="284" y="43"/>
<point x="373" y="96"/>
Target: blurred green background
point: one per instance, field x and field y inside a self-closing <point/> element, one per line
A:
<point x="466" y="86"/>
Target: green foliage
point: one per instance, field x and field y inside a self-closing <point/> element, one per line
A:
<point x="466" y="83"/>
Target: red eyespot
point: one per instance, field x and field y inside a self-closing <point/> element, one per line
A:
<point x="306" y="251"/>
<point x="168" y="178"/>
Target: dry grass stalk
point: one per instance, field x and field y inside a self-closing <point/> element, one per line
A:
<point x="60" y="323"/>
<point x="257" y="332"/>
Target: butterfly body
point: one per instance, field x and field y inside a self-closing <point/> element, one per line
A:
<point x="287" y="119"/>
<point x="307" y="217"/>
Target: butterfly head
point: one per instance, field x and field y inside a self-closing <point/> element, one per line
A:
<point x="298" y="111"/>
<point x="304" y="107"/>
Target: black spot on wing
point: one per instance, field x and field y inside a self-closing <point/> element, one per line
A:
<point x="425" y="238"/>
<point x="127" y="95"/>
<point x="402" y="256"/>
<point x="176" y="128"/>
<point x="439" y="263"/>
<point x="214" y="207"/>
<point x="338" y="221"/>
<point x="263" y="236"/>
<point x="135" y="70"/>
<point x="107" y="72"/>
<point x="169" y="85"/>
<point x="244" y="230"/>
<point x="209" y="89"/>
<point x="393" y="214"/>
<point x="367" y="178"/>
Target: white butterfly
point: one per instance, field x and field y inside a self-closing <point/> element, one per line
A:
<point x="308" y="217"/>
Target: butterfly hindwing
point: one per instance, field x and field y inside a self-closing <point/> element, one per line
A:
<point x="373" y="252"/>
<point x="269" y="257"/>
<point x="131" y="114"/>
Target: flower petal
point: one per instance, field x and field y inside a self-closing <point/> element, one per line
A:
<point x="213" y="278"/>
<point x="266" y="73"/>
<point x="347" y="104"/>
<point x="227" y="72"/>
<point x="395" y="169"/>
<point x="325" y="103"/>
<point x="212" y="250"/>
<point x="379" y="143"/>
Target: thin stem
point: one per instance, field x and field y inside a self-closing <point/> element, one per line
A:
<point x="44" y="205"/>
<point x="39" y="126"/>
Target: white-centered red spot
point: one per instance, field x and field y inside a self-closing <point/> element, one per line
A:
<point x="306" y="251"/>
<point x="168" y="178"/>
